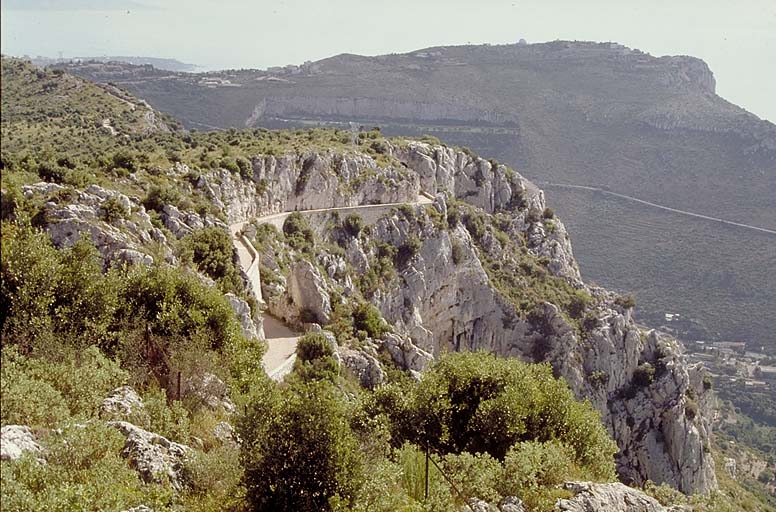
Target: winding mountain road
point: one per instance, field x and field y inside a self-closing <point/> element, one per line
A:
<point x="281" y="340"/>
<point x="655" y="205"/>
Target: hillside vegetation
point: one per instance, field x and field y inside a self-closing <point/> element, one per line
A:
<point x="126" y="329"/>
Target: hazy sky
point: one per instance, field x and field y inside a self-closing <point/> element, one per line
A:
<point x="736" y="38"/>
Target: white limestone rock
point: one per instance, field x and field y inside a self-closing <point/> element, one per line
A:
<point x="613" y="497"/>
<point x="154" y="457"/>
<point x="15" y="440"/>
<point x="123" y="404"/>
<point x="243" y="313"/>
<point x="307" y="290"/>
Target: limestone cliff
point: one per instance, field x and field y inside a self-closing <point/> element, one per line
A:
<point x="451" y="295"/>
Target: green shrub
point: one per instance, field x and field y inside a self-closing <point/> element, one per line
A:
<point x="112" y="210"/>
<point x="159" y="196"/>
<point x="124" y="160"/>
<point x="212" y="251"/>
<point x="52" y="172"/>
<point x="644" y="375"/>
<point x="313" y="346"/>
<point x="353" y="224"/>
<point x="457" y="250"/>
<point x="366" y="318"/>
<point x="626" y="302"/>
<point x="83" y="466"/>
<point x="298" y="233"/>
<point x="170" y="421"/>
<point x="172" y="303"/>
<point x="287" y="433"/>
<point x="530" y="465"/>
<point x="479" y="403"/>
<point x="408" y="250"/>
<point x="474" y="475"/>
<point x="691" y="408"/>
<point x="40" y="392"/>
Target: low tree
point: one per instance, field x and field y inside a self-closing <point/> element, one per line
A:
<point x="480" y="403"/>
<point x="298" y="450"/>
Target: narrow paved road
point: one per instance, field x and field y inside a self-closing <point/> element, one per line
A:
<point x="282" y="341"/>
<point x="281" y="347"/>
<point x="655" y="205"/>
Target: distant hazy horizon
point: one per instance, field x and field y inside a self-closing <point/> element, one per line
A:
<point x="737" y="40"/>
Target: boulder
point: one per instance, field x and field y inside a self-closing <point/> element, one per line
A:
<point x="511" y="504"/>
<point x="243" y="313"/>
<point x="364" y="366"/>
<point x="612" y="497"/>
<point x="405" y="354"/>
<point x="154" y="457"/>
<point x="123" y="404"/>
<point x="224" y="433"/>
<point x="212" y="391"/>
<point x="15" y="440"/>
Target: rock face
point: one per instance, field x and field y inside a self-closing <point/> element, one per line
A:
<point x="306" y="287"/>
<point x="119" y="239"/>
<point x="616" y="497"/>
<point x="366" y="367"/>
<point x="444" y="299"/>
<point x="243" y="313"/>
<point x="15" y="440"/>
<point x="307" y="182"/>
<point x="154" y="457"/>
<point x="662" y="429"/>
<point x="405" y="354"/>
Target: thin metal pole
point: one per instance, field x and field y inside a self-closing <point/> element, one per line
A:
<point x="426" y="493"/>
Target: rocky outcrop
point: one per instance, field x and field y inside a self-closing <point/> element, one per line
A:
<point x="307" y="182"/>
<point x="364" y="366"/>
<point x="182" y="223"/>
<point x="210" y="391"/>
<point x="123" y="404"/>
<point x="405" y="354"/>
<point x="614" y="497"/>
<point x="120" y="235"/>
<point x="444" y="299"/>
<point x="306" y="289"/>
<point x="16" y="440"/>
<point x="511" y="504"/>
<point x="154" y="457"/>
<point x="243" y="313"/>
<point x="225" y="434"/>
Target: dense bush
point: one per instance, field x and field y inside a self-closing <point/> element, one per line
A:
<point x="315" y="358"/>
<point x="353" y="224"/>
<point x="159" y="196"/>
<point x="211" y="249"/>
<point x="366" y="318"/>
<point x="407" y="251"/>
<point x="478" y="403"/>
<point x="44" y="393"/>
<point x="298" y="450"/>
<point x="83" y="466"/>
<point x="298" y="233"/>
<point x="112" y="210"/>
<point x="644" y="375"/>
<point x="313" y="346"/>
